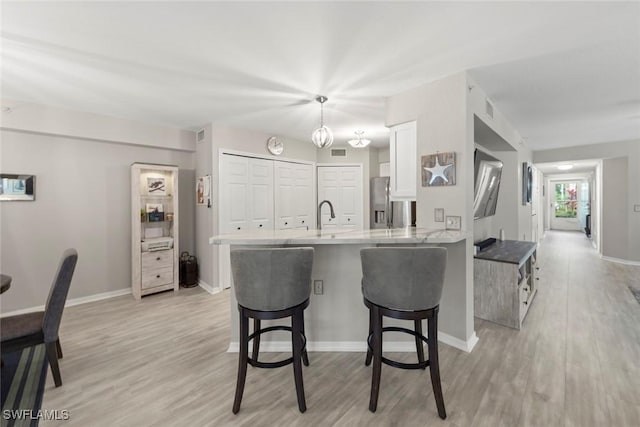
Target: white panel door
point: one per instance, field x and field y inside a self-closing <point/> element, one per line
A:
<point x="304" y="201"/>
<point x="260" y="202"/>
<point x="329" y="189"/>
<point x="234" y="194"/>
<point x="342" y="186"/>
<point x="284" y="195"/>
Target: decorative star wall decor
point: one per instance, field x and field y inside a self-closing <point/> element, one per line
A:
<point x="439" y="169"/>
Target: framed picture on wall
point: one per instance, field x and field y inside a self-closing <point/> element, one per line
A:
<point x="156" y="186"/>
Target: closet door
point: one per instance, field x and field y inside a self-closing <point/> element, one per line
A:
<point x="342" y="186"/>
<point x="304" y="205"/>
<point x="260" y="206"/>
<point x="234" y="194"/>
<point x="350" y="197"/>
<point x="284" y="195"/>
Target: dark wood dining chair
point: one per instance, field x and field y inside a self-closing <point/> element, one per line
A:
<point x="29" y="329"/>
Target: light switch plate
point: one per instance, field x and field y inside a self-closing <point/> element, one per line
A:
<point x="438" y="214"/>
<point x="636" y="208"/>
<point x="454" y="223"/>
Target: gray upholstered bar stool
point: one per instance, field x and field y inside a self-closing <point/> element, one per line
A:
<point x="272" y="284"/>
<point x="404" y="283"/>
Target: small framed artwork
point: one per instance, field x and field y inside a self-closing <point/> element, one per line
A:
<point x="156" y="186"/>
<point x="155" y="212"/>
<point x="438" y="169"/>
<point x="17" y="187"/>
<point x="203" y="190"/>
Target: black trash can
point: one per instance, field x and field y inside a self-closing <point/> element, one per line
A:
<point x="188" y="270"/>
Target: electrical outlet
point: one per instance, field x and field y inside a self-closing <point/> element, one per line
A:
<point x="438" y="214"/>
<point x="318" y="287"/>
<point x="636" y="208"/>
<point x="453" y="223"/>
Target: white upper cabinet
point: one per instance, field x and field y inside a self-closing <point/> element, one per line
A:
<point x="293" y="195"/>
<point x="342" y="186"/>
<point x="403" y="161"/>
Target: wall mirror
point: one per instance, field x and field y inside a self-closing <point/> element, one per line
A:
<point x="17" y="187"/>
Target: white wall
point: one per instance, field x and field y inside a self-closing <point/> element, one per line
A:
<point x="43" y="119"/>
<point x="203" y="213"/>
<point x="440" y="109"/>
<point x="615" y="218"/>
<point x="627" y="149"/>
<point x="82" y="201"/>
<point x="511" y="215"/>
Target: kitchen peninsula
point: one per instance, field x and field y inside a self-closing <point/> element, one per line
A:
<point x="337" y="319"/>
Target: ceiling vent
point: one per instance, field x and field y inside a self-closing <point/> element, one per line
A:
<point x="338" y="152"/>
<point x="200" y="136"/>
<point x="489" y="108"/>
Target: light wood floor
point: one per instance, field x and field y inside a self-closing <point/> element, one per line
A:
<point x="162" y="362"/>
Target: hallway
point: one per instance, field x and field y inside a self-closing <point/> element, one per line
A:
<point x="163" y="361"/>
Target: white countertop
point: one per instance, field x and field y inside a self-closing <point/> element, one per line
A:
<point x="340" y="237"/>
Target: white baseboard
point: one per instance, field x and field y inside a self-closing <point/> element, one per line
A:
<point x="620" y="260"/>
<point x="74" y="301"/>
<point x="360" y="346"/>
<point x="452" y="341"/>
<point x="210" y="289"/>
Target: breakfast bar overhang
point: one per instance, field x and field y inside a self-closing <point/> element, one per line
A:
<point x="337" y="320"/>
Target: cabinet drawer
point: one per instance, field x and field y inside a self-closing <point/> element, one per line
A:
<point x="157" y="277"/>
<point x="157" y="259"/>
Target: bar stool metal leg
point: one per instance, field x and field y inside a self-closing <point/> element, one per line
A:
<point x="377" y="358"/>
<point x="296" y="342"/>
<point x="256" y="340"/>
<point x="243" y="360"/>
<point x="367" y="361"/>
<point x="419" y="347"/>
<point x="434" y="367"/>
<point x="305" y="356"/>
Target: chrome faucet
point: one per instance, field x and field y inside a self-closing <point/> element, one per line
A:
<point x="319" y="220"/>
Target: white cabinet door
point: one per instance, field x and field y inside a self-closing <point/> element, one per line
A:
<point x="235" y="194"/>
<point x="342" y="186"/>
<point x="403" y="164"/>
<point x="246" y="194"/>
<point x="284" y="195"/>
<point x="294" y="195"/>
<point x="260" y="206"/>
<point x="304" y="200"/>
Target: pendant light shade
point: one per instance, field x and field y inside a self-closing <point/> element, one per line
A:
<point x="322" y="137"/>
<point x="359" y="142"/>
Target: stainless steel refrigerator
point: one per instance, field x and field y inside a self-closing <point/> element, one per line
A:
<point x="384" y="212"/>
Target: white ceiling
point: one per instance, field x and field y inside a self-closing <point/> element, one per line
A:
<point x="563" y="73"/>
<point x="579" y="166"/>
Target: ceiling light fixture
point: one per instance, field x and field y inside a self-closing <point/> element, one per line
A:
<point x="322" y="137"/>
<point x="359" y="142"/>
<point x="564" y="167"/>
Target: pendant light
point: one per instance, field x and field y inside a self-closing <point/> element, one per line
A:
<point x="359" y="142"/>
<point x="322" y="137"/>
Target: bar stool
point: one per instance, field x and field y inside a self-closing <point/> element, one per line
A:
<point x="272" y="284"/>
<point x="404" y="283"/>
